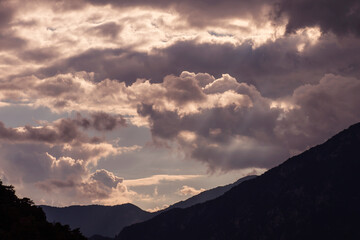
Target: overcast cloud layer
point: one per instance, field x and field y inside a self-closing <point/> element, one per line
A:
<point x="140" y="101"/>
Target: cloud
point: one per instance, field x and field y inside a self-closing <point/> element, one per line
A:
<point x="39" y="55"/>
<point x="250" y="130"/>
<point x="183" y="89"/>
<point x="322" y="110"/>
<point x="63" y="130"/>
<point x="107" y="30"/>
<point x="189" y="191"/>
<point x="104" y="122"/>
<point x="233" y="127"/>
<point x="45" y="170"/>
<point x="276" y="68"/>
<point x="202" y="14"/>
<point x="157" y="179"/>
<point x="6" y="13"/>
<point x="93" y="187"/>
<point x="199" y="13"/>
<point x="307" y="13"/>
<point x="106" y="177"/>
<point x="221" y="122"/>
<point x="10" y="41"/>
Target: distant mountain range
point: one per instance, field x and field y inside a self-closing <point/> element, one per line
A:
<point x="97" y="219"/>
<point x="110" y="220"/>
<point x="314" y="195"/>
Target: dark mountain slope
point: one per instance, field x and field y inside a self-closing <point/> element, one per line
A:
<point x="21" y="219"/>
<point x="97" y="219"/>
<point x="314" y="195"/>
<point x="207" y="195"/>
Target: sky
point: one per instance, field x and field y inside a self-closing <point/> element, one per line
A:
<point x="152" y="102"/>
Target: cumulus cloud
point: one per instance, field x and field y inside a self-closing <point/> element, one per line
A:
<point x="51" y="170"/>
<point x="106" y="177"/>
<point x="91" y="186"/>
<point x="232" y="128"/>
<point x="255" y="131"/>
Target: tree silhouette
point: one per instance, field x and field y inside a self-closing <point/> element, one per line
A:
<point x="21" y="219"/>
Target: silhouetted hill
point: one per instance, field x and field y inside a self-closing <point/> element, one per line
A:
<point x="20" y="219"/>
<point x="109" y="221"/>
<point x="97" y="219"/>
<point x="207" y="195"/>
<point x="314" y="195"/>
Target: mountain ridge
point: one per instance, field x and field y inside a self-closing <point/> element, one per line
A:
<point x="313" y="195"/>
<point x="207" y="195"/>
<point x="108" y="221"/>
<point x="89" y="230"/>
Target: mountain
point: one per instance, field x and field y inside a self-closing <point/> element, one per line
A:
<point x="97" y="219"/>
<point x="207" y="195"/>
<point x="20" y="219"/>
<point x="314" y="195"/>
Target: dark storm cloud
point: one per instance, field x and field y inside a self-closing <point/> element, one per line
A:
<point x="64" y="130"/>
<point x="275" y="68"/>
<point x="340" y="17"/>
